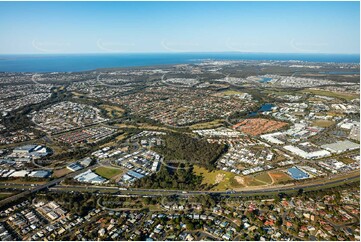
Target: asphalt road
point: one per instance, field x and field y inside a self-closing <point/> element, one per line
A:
<point x="44" y="186"/>
<point x="160" y="192"/>
<point x="165" y="192"/>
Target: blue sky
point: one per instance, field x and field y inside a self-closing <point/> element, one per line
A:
<point x="107" y="27"/>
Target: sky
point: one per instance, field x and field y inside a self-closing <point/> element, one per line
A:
<point x="118" y="27"/>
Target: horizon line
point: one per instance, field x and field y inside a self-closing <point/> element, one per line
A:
<point x="179" y="52"/>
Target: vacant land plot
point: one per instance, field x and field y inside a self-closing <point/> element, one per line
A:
<point x="257" y="126"/>
<point x="346" y="160"/>
<point x="323" y="123"/>
<point x="113" y="111"/>
<point x="108" y="172"/>
<point x="333" y="114"/>
<point x="144" y="126"/>
<point x="22" y="180"/>
<point x="279" y="177"/>
<point x="208" y="125"/>
<point x="126" y="126"/>
<point x="61" y="172"/>
<point x="5" y="195"/>
<point x="78" y="94"/>
<point x="228" y="93"/>
<point x="347" y="96"/>
<point x="222" y="180"/>
<point x="263" y="177"/>
<point x="114" y="141"/>
<point x="121" y="137"/>
<point x="260" y="179"/>
<point x="277" y="92"/>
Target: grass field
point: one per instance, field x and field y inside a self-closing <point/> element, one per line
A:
<point x="5" y="195"/>
<point x="208" y="125"/>
<point x="113" y="111"/>
<point x="323" y="123"/>
<point x="22" y="180"/>
<point x="57" y="149"/>
<point x="125" y="126"/>
<point x="346" y="96"/>
<point x="277" y="92"/>
<point x="263" y="177"/>
<point x="108" y="172"/>
<point x="115" y="140"/>
<point x="333" y="114"/>
<point x="228" y="93"/>
<point x="260" y="179"/>
<point x="222" y="179"/>
<point x="121" y="137"/>
<point x="77" y="94"/>
<point x="144" y="126"/>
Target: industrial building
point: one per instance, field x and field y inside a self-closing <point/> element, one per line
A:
<point x="297" y="173"/>
<point x="90" y="177"/>
<point x="341" y="146"/>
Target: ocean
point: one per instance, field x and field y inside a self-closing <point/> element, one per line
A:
<point x="87" y="62"/>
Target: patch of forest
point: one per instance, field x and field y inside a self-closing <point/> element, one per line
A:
<point x="183" y="147"/>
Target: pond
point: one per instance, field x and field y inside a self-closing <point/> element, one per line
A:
<point x="265" y="79"/>
<point x="264" y="108"/>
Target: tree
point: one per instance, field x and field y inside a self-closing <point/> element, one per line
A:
<point x="190" y="225"/>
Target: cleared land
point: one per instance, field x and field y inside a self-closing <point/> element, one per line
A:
<point x="279" y="177"/>
<point x="323" y="123"/>
<point x="222" y="180"/>
<point x="107" y="172"/>
<point x="61" y="172"/>
<point x="257" y="126"/>
<point x="347" y="96"/>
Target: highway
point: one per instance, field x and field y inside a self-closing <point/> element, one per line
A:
<point x="165" y="192"/>
<point x="44" y="186"/>
<point x="53" y="185"/>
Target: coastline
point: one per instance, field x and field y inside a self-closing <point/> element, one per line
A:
<point x="45" y="63"/>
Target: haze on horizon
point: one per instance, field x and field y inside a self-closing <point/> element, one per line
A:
<point x="171" y="27"/>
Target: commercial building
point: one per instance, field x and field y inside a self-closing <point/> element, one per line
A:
<point x="297" y="173"/>
<point x="90" y="177"/>
<point x="75" y="166"/>
<point x="341" y="146"/>
<point x="307" y="155"/>
<point x="135" y="174"/>
<point x="40" y="174"/>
